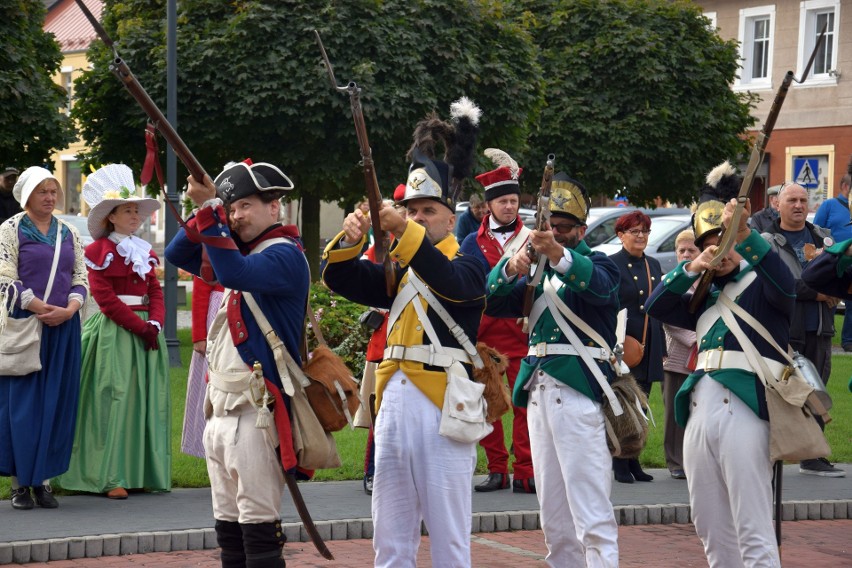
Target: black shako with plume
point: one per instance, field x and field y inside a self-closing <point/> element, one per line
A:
<point x="441" y="179"/>
<point x="722" y="184"/>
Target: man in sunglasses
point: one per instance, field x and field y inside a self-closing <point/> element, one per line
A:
<point x="557" y="387"/>
<point x="8" y="204"/>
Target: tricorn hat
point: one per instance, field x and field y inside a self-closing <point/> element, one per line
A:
<point x="106" y="189"/>
<point x="721" y="185"/>
<point x="431" y="178"/>
<point x="243" y="179"/>
<point x="569" y="197"/>
<point x="503" y="180"/>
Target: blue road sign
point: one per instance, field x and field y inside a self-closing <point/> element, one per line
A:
<point x="806" y="172"/>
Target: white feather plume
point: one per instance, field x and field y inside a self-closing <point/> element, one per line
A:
<point x="720" y="171"/>
<point x="501" y="158"/>
<point x="466" y="107"/>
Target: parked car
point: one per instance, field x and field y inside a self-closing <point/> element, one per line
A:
<point x="661" y="241"/>
<point x="601" y="221"/>
<point x="81" y="224"/>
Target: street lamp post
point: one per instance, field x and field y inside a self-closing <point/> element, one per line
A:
<point x="170" y="275"/>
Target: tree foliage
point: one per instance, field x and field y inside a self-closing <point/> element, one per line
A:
<point x="638" y="96"/>
<point x="31" y="126"/>
<point x="252" y="83"/>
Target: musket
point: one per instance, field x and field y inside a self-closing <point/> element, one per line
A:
<point x="374" y="196"/>
<point x="542" y="217"/>
<point x="155" y="115"/>
<point x="726" y="237"/>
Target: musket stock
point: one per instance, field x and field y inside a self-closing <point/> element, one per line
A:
<point x="542" y="216"/>
<point x="726" y="238"/>
<point x="374" y="196"/>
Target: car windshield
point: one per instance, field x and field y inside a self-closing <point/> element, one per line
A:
<point x="78" y="222"/>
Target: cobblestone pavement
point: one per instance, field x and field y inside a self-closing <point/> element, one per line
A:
<point x="806" y="544"/>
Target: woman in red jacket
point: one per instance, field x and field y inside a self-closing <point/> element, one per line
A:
<point x="122" y="439"/>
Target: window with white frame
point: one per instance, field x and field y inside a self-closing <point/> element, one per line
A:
<point x="814" y="15"/>
<point x="756" y="37"/>
<point x="712" y="17"/>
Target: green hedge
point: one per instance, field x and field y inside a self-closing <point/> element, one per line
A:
<point x="338" y="321"/>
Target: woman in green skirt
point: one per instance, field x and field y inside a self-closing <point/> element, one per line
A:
<point x="122" y="439"/>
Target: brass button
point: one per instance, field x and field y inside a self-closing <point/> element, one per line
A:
<point x="641" y="292"/>
<point x="629" y="265"/>
<point x="725" y="400"/>
<point x="239" y="324"/>
<point x="460" y="406"/>
<point x="635" y="278"/>
<point x="242" y="335"/>
<point x="403" y="381"/>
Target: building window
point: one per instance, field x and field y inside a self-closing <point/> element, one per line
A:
<point x="68" y="85"/>
<point x="712" y="17"/>
<point x="756" y="36"/>
<point x="814" y="14"/>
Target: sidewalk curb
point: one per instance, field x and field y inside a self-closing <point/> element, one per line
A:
<point x="22" y="552"/>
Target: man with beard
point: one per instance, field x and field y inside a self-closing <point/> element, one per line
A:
<point x="267" y="267"/>
<point x="557" y="386"/>
<point x="501" y="235"/>
<point x="722" y="404"/>
<point x="421" y="475"/>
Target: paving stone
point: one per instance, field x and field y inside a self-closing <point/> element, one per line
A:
<point x="826" y="511"/>
<point x="112" y="544"/>
<point x="7" y="553"/>
<point x="682" y="514"/>
<point x="39" y="551"/>
<point x="486" y="523"/>
<point x="339" y="530"/>
<point x="367" y="529"/>
<point x="76" y="548"/>
<point x="788" y="511"/>
<point x="21" y="552"/>
<point x="195" y="539"/>
<point x="353" y="529"/>
<point x="475" y="523"/>
<point x="813" y="510"/>
<point x="655" y="514"/>
<point x="801" y="508"/>
<point x="178" y="540"/>
<point x="667" y="514"/>
<point x="531" y="521"/>
<point x="129" y="544"/>
<point x="94" y="546"/>
<point x="840" y="510"/>
<point x="210" y="541"/>
<point x="58" y="548"/>
<point x="640" y="515"/>
<point x="291" y="531"/>
<point x="162" y="541"/>
<point x="627" y="515"/>
<point x="516" y="520"/>
<point x="145" y="542"/>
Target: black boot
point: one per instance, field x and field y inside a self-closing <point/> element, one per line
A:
<point x="493" y="482"/>
<point x="21" y="499"/>
<point x="636" y="470"/>
<point x="263" y="543"/>
<point x="229" y="535"/>
<point x="622" y="470"/>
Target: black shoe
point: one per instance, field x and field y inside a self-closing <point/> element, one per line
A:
<point x="621" y="470"/>
<point x="678" y="474"/>
<point x="44" y="497"/>
<point x="493" y="482"/>
<point x="821" y="467"/>
<point x="368" y="484"/>
<point x="636" y="470"/>
<point x="21" y="499"/>
<point x="847" y="347"/>
<point x="523" y="485"/>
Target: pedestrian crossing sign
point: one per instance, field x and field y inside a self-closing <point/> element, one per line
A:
<point x="806" y="172"/>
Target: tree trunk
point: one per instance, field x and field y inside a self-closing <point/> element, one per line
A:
<point x="311" y="232"/>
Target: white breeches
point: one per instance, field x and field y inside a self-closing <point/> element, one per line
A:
<point x="726" y="459"/>
<point x="420" y="475"/>
<point x="573" y="475"/>
<point x="246" y="479"/>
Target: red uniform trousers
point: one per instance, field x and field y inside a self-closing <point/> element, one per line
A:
<point x="494" y="445"/>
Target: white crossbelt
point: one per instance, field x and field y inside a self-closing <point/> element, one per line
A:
<point x="425" y="354"/>
<point x="134" y="300"/>
<point x="715" y="359"/>
<point x="545" y="349"/>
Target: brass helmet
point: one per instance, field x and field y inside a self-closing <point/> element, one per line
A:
<point x="569" y="197"/>
<point x="722" y="184"/>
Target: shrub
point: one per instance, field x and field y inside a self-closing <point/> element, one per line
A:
<point x="338" y="320"/>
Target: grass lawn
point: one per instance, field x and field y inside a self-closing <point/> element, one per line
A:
<point x="188" y="471"/>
